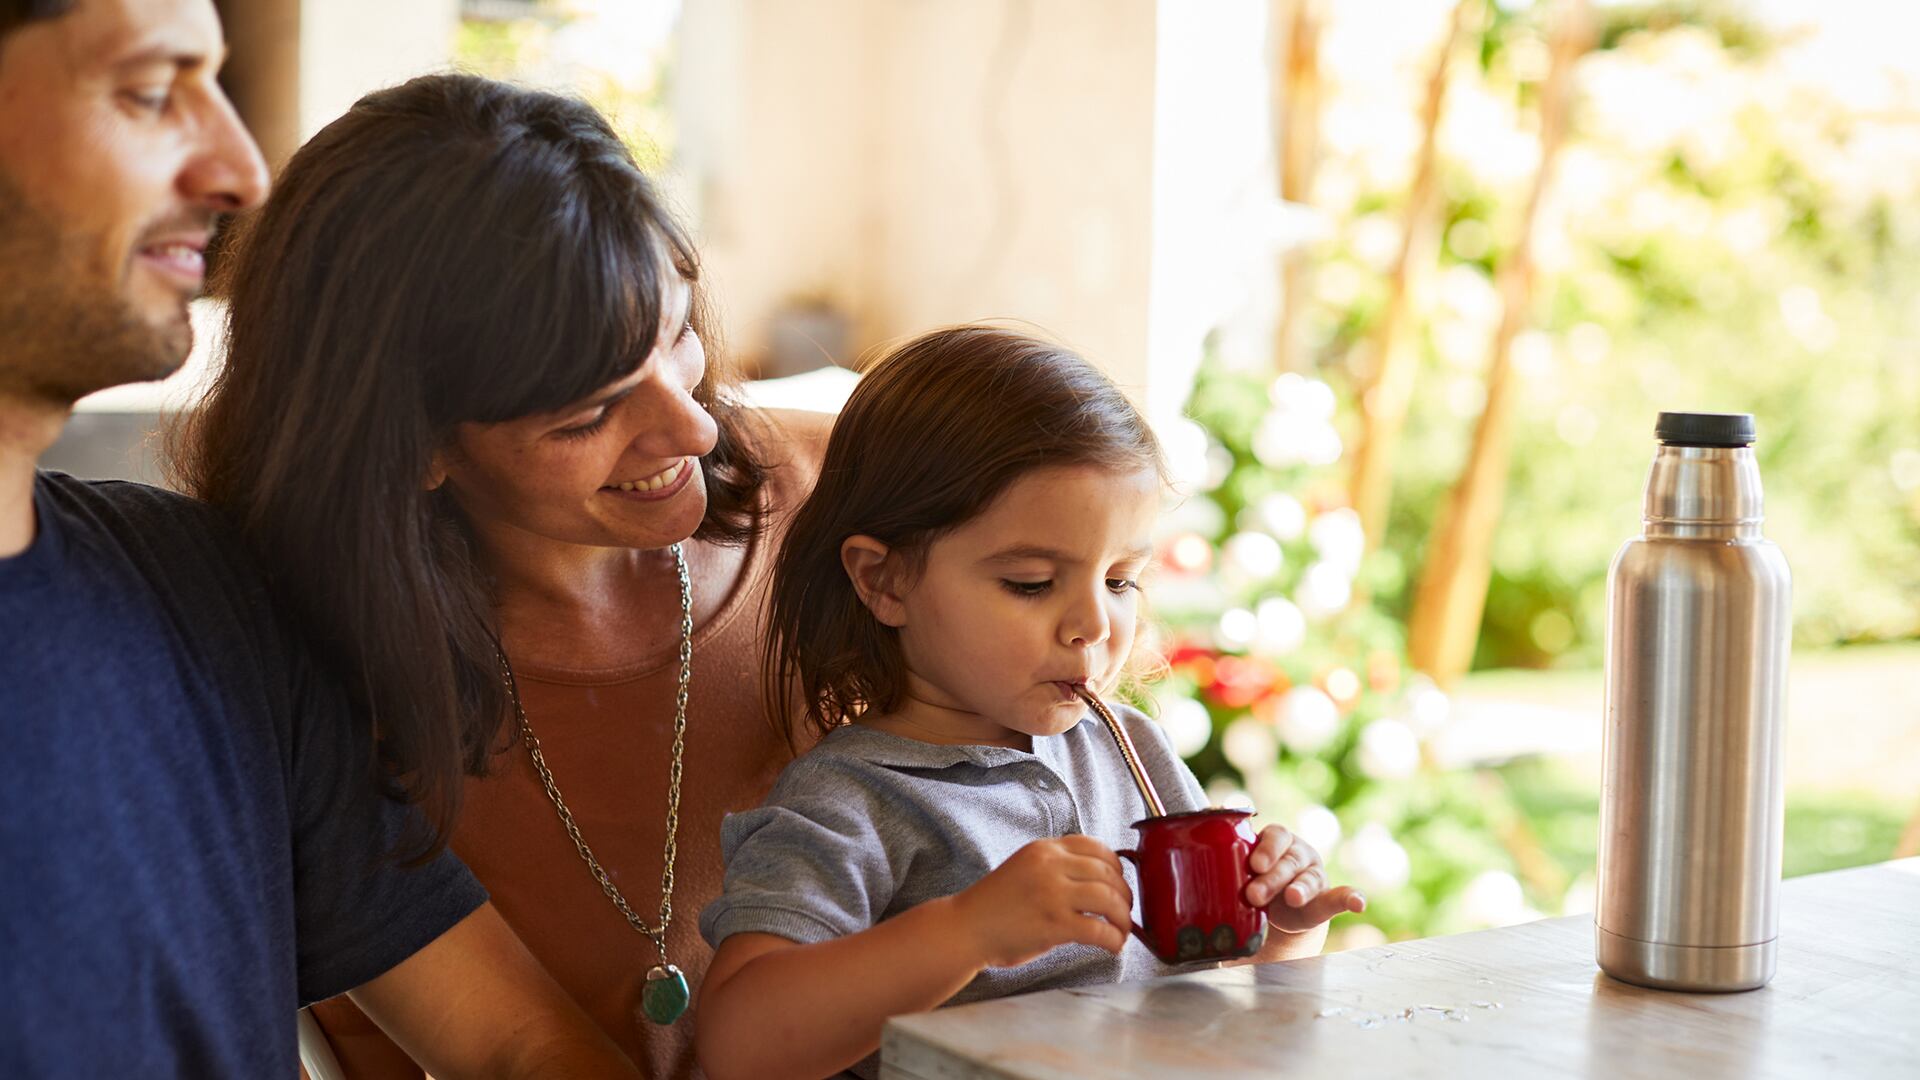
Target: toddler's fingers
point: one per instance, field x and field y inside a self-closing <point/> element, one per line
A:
<point x="1104" y="871"/>
<point x="1311" y="883"/>
<point x="1336" y="901"/>
<point x="1082" y="844"/>
<point x="1265" y="887"/>
<point x="1267" y="850"/>
<point x="1101" y="934"/>
<point x="1116" y="908"/>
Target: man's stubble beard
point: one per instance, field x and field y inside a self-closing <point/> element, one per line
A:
<point x="64" y="332"/>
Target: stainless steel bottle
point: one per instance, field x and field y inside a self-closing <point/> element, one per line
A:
<point x="1698" y="632"/>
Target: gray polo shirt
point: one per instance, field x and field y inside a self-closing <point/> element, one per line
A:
<point x="868" y="824"/>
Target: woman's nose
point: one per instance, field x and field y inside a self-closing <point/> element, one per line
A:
<point x="674" y="423"/>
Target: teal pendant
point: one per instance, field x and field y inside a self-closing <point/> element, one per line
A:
<point x="666" y="995"/>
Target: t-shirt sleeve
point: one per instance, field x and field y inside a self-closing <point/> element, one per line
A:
<point x="1178" y="787"/>
<point x="808" y="865"/>
<point x="358" y="909"/>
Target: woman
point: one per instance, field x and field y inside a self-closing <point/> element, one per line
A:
<point x="468" y="416"/>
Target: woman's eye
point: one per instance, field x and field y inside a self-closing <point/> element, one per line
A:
<point x="1026" y="588"/>
<point x="581" y="431"/>
<point x="1121" y="585"/>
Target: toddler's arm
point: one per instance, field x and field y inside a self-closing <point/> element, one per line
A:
<point x="773" y="1008"/>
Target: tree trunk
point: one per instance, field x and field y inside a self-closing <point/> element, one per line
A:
<point x="1385" y="393"/>
<point x="1453" y="585"/>
<point x="1295" y="72"/>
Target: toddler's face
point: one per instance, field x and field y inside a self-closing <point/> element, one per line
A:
<point x="1038" y="593"/>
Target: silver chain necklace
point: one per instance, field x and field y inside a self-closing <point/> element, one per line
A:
<point x="666" y="996"/>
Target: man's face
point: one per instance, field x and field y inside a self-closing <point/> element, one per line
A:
<point x="118" y="151"/>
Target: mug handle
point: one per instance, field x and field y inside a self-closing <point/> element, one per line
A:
<point x="1133" y="857"/>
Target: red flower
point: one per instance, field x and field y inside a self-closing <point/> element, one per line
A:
<point x="1239" y="681"/>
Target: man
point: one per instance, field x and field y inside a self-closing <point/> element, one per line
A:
<point x="193" y="846"/>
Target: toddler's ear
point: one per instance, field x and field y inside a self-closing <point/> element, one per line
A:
<point x="875" y="578"/>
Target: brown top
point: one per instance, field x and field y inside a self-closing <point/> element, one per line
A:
<point x="606" y="735"/>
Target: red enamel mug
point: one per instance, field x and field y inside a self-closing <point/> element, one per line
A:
<point x="1193" y="879"/>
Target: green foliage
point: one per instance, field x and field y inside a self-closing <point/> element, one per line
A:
<point x="1306" y="708"/>
<point x="1735" y="262"/>
<point x="1759" y="258"/>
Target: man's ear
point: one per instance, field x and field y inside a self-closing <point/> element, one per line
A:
<point x="876" y="577"/>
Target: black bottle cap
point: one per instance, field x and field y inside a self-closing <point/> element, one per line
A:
<point x="1704" y="429"/>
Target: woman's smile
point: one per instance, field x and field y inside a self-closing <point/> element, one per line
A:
<point x="661" y="485"/>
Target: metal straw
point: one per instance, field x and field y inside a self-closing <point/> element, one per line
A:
<point x="1154" y="807"/>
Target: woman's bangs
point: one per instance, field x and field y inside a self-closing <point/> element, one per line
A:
<point x="602" y="315"/>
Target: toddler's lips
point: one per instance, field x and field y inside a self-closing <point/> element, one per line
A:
<point x="1069" y="688"/>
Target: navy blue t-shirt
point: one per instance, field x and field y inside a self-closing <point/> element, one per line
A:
<point x="192" y="843"/>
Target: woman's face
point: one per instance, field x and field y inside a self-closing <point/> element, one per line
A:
<point x="619" y="468"/>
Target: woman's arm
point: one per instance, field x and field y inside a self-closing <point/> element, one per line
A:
<point x="771" y="1008"/>
<point x="476" y="1003"/>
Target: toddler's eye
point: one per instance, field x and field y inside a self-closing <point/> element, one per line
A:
<point x="1121" y="585"/>
<point x="1026" y="588"/>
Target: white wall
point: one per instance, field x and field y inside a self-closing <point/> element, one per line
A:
<point x="924" y="163"/>
<point x="349" y="47"/>
<point x="1097" y="167"/>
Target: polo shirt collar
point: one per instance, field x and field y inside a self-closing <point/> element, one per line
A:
<point x="901" y="752"/>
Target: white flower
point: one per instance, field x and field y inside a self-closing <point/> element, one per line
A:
<point x="1493" y="898"/>
<point x="1389" y="750"/>
<point x="1307" y="719"/>
<point x="1339" y="538"/>
<point x="1302" y="398"/>
<point x="1321" y="444"/>
<point x="1343" y="684"/>
<point x="1426" y="706"/>
<point x="1282" y="515"/>
<point x="1375" y="860"/>
<point x="1319" y="827"/>
<point x="1323" y="591"/>
<point x="1186" y="444"/>
<point x="1282" y="627"/>
<point x="1237" y="629"/>
<point x="1188" y="725"/>
<point x="1249" y="745"/>
<point x="1224" y="792"/>
<point x="1254" y="554"/>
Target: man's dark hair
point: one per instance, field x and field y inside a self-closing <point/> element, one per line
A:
<point x="15" y="14"/>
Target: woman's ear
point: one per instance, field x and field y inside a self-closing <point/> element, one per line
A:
<point x="436" y="470"/>
<point x="875" y="576"/>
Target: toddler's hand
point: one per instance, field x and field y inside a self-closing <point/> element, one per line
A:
<point x="1046" y="894"/>
<point x="1291" y="883"/>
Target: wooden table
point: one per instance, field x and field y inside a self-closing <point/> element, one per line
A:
<point x="1520" y="1001"/>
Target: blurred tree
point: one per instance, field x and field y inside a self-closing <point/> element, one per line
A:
<point x="1294" y="45"/>
<point x="1445" y="623"/>
<point x="1385" y="391"/>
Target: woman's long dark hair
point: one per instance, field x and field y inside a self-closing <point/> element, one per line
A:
<point x="451" y="250"/>
<point x="936" y="430"/>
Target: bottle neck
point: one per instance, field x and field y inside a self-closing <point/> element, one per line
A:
<point x="1703" y="492"/>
